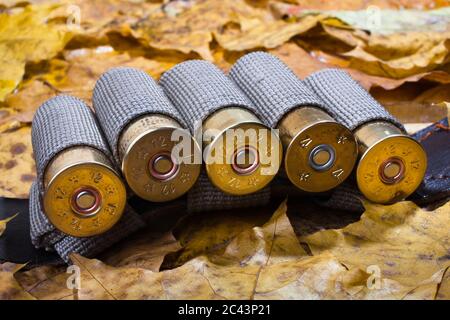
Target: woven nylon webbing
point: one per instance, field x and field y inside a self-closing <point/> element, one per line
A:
<point x="348" y="101"/>
<point x="206" y="197"/>
<point x="44" y="235"/>
<point x="60" y="123"/>
<point x="124" y="94"/>
<point x="272" y="86"/>
<point x="346" y="197"/>
<point x="198" y="88"/>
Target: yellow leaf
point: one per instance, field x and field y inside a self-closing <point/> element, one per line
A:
<point x="429" y="288"/>
<point x="304" y="63"/>
<point x="408" y="244"/>
<point x="46" y="283"/>
<point x="26" y="37"/>
<point x="4" y="222"/>
<point x="258" y="263"/>
<point x="192" y="30"/>
<point x="443" y="292"/>
<point x="25" y="102"/>
<point x="204" y="233"/>
<point x="17" y="169"/>
<point x="9" y="287"/>
<point x="80" y="71"/>
<point x="144" y="250"/>
<point x="265" y="34"/>
<point x="401" y="54"/>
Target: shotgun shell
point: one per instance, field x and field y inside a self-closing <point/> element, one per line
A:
<point x="392" y="164"/>
<point x="241" y="154"/>
<point x="83" y="194"/>
<point x="158" y="157"/>
<point x="319" y="152"/>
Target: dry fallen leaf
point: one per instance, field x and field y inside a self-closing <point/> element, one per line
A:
<point x="78" y="73"/>
<point x="204" y="233"/>
<point x="23" y="104"/>
<point x="258" y="263"/>
<point x="408" y="244"/>
<point x="363" y="4"/>
<point x="143" y="250"/>
<point x="444" y="288"/>
<point x="4" y="222"/>
<point x="303" y="64"/>
<point x="9" y="287"/>
<point x="190" y="31"/>
<point x="46" y="283"/>
<point x="401" y="54"/>
<point x="26" y="37"/>
<point x="17" y="169"/>
<point x="264" y="34"/>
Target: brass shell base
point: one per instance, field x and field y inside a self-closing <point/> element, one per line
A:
<point x="76" y="170"/>
<point x="220" y="153"/>
<point x="319" y="152"/>
<point x="392" y="165"/>
<point x="150" y="138"/>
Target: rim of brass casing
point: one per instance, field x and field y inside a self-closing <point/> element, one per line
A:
<point x="223" y="173"/>
<point x="375" y="154"/>
<point x="148" y="138"/>
<point x="302" y="131"/>
<point x="83" y="168"/>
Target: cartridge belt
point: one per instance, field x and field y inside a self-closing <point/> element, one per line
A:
<point x="206" y="197"/>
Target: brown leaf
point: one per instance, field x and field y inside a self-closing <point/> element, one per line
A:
<point x="443" y="292"/>
<point x="427" y="289"/>
<point x="203" y="233"/>
<point x="17" y="169"/>
<point x="401" y="55"/>
<point x="190" y="31"/>
<point x="264" y="34"/>
<point x="80" y="71"/>
<point x="9" y="288"/>
<point x="25" y="102"/>
<point x="259" y="263"/>
<point x="382" y="235"/>
<point x="304" y="64"/>
<point x="144" y="250"/>
<point x="363" y="4"/>
<point x="46" y="283"/>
